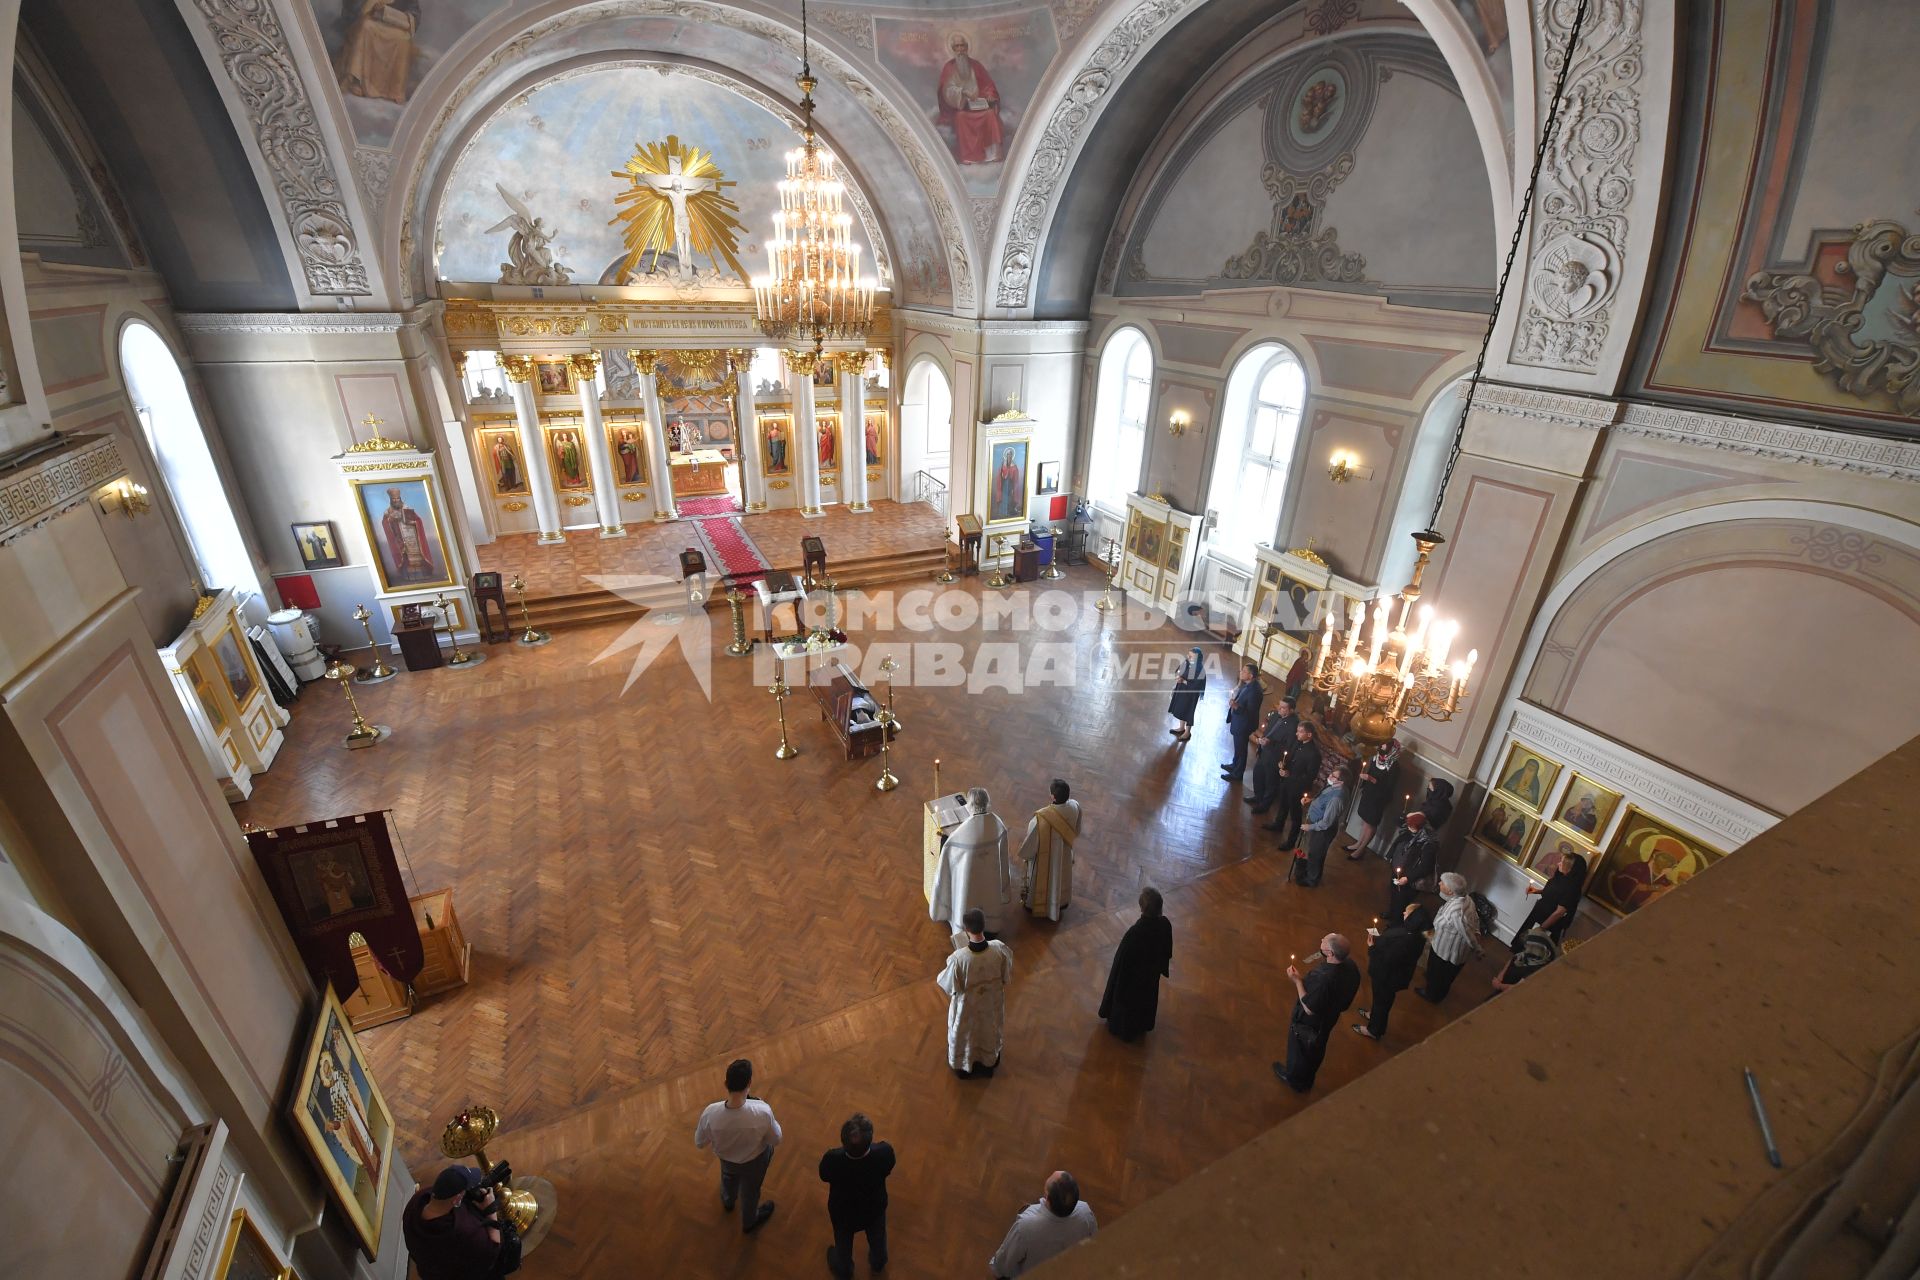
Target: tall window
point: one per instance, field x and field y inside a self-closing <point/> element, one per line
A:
<point x="179" y="444"/>
<point x="1260" y="425"/>
<point x="1418" y="482"/>
<point x="1124" y="389"/>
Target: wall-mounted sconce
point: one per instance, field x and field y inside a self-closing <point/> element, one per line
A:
<point x="1344" y="465"/>
<point x="1178" y="422"/>
<point x="128" y="498"/>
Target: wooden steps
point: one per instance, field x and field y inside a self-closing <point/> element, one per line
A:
<point x="580" y="608"/>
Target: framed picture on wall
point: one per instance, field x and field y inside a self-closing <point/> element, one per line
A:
<point x="247" y="1255"/>
<point x="629" y="452"/>
<point x="1047" y="478"/>
<point x="505" y="466"/>
<point x="1549" y="845"/>
<point x="403" y="528"/>
<point x="1527" y="776"/>
<point x="345" y="1122"/>
<point x="235" y="665"/>
<point x="827" y="442"/>
<point x="776" y="430"/>
<point x="1647" y="860"/>
<point x="1505" y="827"/>
<point x="1586" y="808"/>
<point x="1007" y="480"/>
<point x="567" y="453"/>
<point x="873" y="436"/>
<point x="555" y="377"/>
<point x="319" y="544"/>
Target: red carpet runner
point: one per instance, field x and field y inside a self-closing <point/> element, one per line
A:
<point x="728" y="547"/>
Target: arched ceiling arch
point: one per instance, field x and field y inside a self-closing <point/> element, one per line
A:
<point x="1102" y="108"/>
<point x="918" y="201"/>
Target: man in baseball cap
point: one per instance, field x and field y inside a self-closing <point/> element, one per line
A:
<point x="454" y="1230"/>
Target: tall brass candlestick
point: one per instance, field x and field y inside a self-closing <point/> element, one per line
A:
<point x="362" y="734"/>
<point x="1001" y="579"/>
<point x="887" y="781"/>
<point x="528" y="636"/>
<point x="1107" y="603"/>
<point x="380" y="670"/>
<point x="460" y="657"/>
<point x="737" y="603"/>
<point x="779" y="691"/>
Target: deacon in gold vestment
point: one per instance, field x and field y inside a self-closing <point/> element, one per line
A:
<point x="1048" y="854"/>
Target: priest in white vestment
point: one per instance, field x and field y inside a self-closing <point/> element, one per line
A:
<point x="1048" y="854"/>
<point x="973" y="870"/>
<point x="975" y="981"/>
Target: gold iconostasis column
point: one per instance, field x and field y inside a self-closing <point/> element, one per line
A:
<point x="644" y="362"/>
<point x="753" y="456"/>
<point x="533" y="447"/>
<point x="853" y="429"/>
<point x="606" y="498"/>
<point x="806" y="429"/>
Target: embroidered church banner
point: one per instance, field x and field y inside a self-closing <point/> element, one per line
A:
<point x="332" y="880"/>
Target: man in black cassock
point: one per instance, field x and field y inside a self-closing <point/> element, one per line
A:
<point x="1299" y="771"/>
<point x="1139" y="962"/>
<point x="1273" y="740"/>
<point x="1324" y="994"/>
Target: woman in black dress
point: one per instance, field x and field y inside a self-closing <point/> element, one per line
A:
<point x="1139" y="962"/>
<point x="1438" y="805"/>
<point x="1559" y="899"/>
<point x="1376" y="784"/>
<point x="1191" y="683"/>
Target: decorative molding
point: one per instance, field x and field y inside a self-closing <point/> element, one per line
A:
<point x="374" y="167"/>
<point x="196" y="322"/>
<point x="254" y="51"/>
<point x="1586" y="184"/>
<point x="843" y="74"/>
<point x="55" y="482"/>
<point x="855" y="25"/>
<point x="961" y="326"/>
<point x="389" y="466"/>
<point x="1328" y="16"/>
<point x="1812" y="446"/>
<point x="1717" y="815"/>
<point x="1562" y="408"/>
<point x="1295" y="249"/>
<point x="1071" y="115"/>
<point x="1828" y="320"/>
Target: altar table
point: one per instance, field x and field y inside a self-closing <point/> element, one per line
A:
<point x="699" y="474"/>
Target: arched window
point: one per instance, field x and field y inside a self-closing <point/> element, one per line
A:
<point x="179" y="445"/>
<point x="1121" y="397"/>
<point x="1418" y="482"/>
<point x="1266" y="395"/>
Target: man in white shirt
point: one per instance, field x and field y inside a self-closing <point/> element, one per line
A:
<point x="743" y="1133"/>
<point x="1052" y="1225"/>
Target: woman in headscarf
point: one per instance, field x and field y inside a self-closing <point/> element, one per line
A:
<point x="1437" y="805"/>
<point x="1390" y="966"/>
<point x="1376" y="784"/>
<point x="1187" y="688"/>
<point x="1559" y="897"/>
<point x="1456" y="935"/>
<point x="1139" y="962"/>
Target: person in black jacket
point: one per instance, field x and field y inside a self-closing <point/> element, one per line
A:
<point x="1132" y="998"/>
<point x="1390" y="966"/>
<point x="1324" y="994"/>
<point x="1274" y="740"/>
<point x="856" y="1176"/>
<point x="1437" y="804"/>
<point x="1299" y="773"/>
<point x="1413" y="855"/>
<point x="1243" y="717"/>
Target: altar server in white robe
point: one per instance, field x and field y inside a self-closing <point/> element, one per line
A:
<point x="975" y="981"/>
<point x="1048" y="854"/>
<point x="973" y="870"/>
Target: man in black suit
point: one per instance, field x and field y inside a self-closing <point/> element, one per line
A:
<point x="1324" y="995"/>
<point x="1298" y="772"/>
<point x="856" y="1176"/>
<point x="1273" y="741"/>
<point x="1243" y="716"/>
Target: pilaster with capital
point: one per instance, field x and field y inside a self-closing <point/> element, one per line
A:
<point x="606" y="496"/>
<point x="753" y="478"/>
<point x="806" y="432"/>
<point x="644" y="363"/>
<point x="853" y="420"/>
<point x="533" y="448"/>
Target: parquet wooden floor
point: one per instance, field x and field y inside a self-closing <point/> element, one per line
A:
<point x="650" y="893"/>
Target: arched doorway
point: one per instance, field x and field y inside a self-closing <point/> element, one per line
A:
<point x="173" y="431"/>
<point x="926" y="435"/>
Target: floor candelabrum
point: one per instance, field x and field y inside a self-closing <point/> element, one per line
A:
<point x="379" y="670"/>
<point x="887" y="720"/>
<point x="1108" y="602"/>
<point x="528" y="636"/>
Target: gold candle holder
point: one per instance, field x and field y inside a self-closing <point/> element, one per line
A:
<point x="362" y="734"/>
<point x="887" y="781"/>
<point x="529" y="637"/>
<point x="529" y="1202"/>
<point x="946" y="576"/>
<point x="1001" y="579"/>
<point x="379" y="670"/>
<point x="779" y="691"/>
<point x="737" y="604"/>
<point x="1107" y="603"/>
<point x="459" y="657"/>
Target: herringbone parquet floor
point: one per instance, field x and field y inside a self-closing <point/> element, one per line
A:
<point x="650" y="893"/>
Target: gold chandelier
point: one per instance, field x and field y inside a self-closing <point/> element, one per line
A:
<point x="813" y="291"/>
<point x="1392" y="674"/>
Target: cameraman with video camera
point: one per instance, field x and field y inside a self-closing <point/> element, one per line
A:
<point x="455" y="1229"/>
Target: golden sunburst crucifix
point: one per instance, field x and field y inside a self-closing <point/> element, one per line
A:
<point x="673" y="204"/>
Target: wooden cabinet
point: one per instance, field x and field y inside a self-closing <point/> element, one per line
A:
<point x="448" y="953"/>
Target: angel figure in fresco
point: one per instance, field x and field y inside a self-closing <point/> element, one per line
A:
<point x="970" y="106"/>
<point x="529" y="252"/>
<point x="377" y="58"/>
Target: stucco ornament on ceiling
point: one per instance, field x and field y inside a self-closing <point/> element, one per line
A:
<point x="1586" y="183"/>
<point x="1867" y="338"/>
<point x="254" y="54"/>
<point x="1295" y="249"/>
